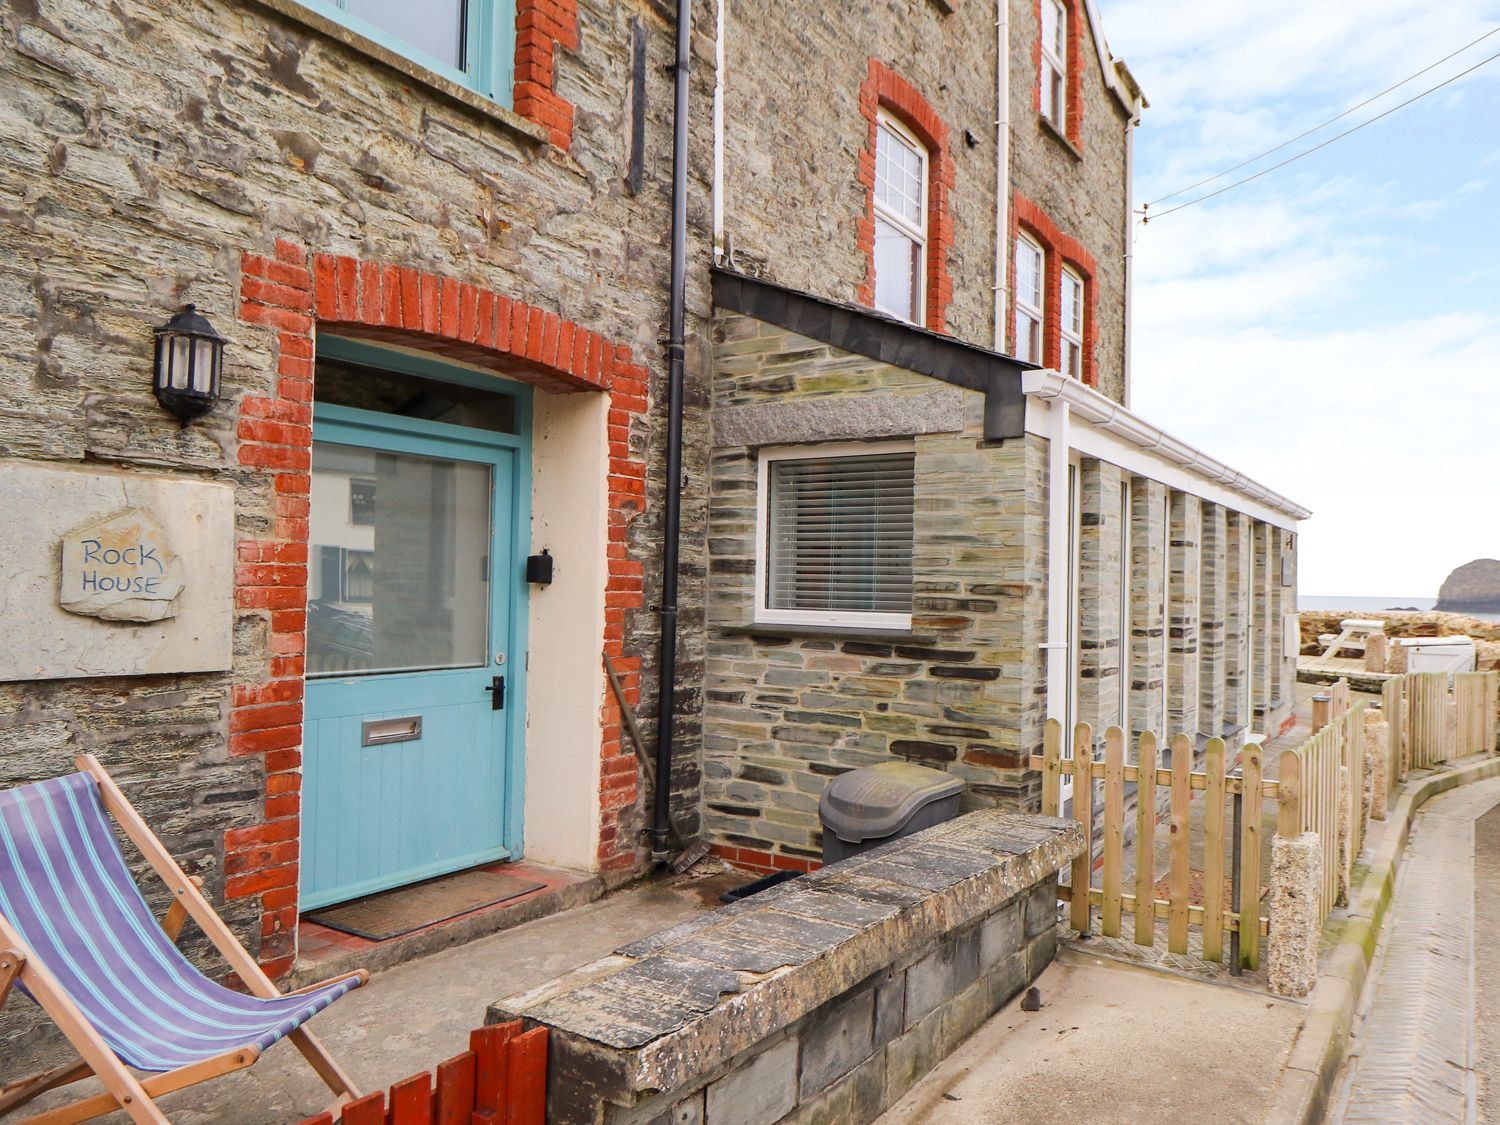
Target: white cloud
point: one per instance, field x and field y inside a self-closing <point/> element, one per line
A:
<point x="1276" y="326"/>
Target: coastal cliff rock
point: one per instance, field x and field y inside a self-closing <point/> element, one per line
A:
<point x="1472" y="588"/>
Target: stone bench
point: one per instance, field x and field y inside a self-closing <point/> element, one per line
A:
<point x="825" y="998"/>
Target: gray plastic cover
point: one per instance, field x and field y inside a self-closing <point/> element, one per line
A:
<point x="875" y="801"/>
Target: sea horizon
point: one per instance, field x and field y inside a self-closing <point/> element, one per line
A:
<point x="1369" y="604"/>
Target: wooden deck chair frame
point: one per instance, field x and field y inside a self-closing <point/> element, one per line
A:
<point x="123" y="1090"/>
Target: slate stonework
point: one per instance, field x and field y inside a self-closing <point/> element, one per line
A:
<point x="1081" y="187"/>
<point x="150" y="153"/>
<point x="809" y="236"/>
<point x="784" y="713"/>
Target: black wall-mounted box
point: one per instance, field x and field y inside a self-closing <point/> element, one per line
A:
<point x="539" y="568"/>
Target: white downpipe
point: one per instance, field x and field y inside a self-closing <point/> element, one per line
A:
<point x="1129" y="248"/>
<point x="1059" y="563"/>
<point x="721" y="14"/>
<point x="1002" y="167"/>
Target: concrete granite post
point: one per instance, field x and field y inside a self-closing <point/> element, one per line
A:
<point x="1296" y="873"/>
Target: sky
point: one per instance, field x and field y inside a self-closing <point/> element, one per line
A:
<point x="1333" y="328"/>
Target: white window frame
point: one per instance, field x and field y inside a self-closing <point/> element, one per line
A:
<point x="1054" y="76"/>
<point x="763" y="613"/>
<point x="917" y="233"/>
<point x="1071" y="333"/>
<point x="1024" y="307"/>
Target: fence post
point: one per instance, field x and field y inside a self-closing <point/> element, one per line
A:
<point x="1051" y="768"/>
<point x="1177" y="883"/>
<point x="1145" y="841"/>
<point x="1250" y="859"/>
<point x="1296" y="920"/>
<point x="1080" y="917"/>
<point x="1114" y="829"/>
<point x="1213" y="851"/>
<point x="1289" y="794"/>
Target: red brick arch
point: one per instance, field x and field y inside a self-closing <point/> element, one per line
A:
<point x="885" y="89"/>
<point x="294" y="295"/>
<point x="1058" y="249"/>
<point x="1072" y="126"/>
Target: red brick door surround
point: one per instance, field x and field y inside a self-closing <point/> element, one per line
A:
<point x="294" y="295"/>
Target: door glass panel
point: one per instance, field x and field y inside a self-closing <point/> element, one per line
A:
<point x="392" y="392"/>
<point x="399" y="562"/>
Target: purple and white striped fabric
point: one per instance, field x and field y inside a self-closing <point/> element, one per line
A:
<point x="65" y="886"/>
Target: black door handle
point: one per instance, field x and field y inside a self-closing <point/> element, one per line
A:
<point x="497" y="690"/>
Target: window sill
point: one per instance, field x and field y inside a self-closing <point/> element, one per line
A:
<point x="508" y="120"/>
<point x="833" y="632"/>
<point x="1059" y="136"/>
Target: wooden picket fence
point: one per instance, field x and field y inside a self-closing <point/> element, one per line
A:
<point x="1318" y="790"/>
<point x="1417" y="706"/>
<point x="500" y="1080"/>
<point x="1219" y="789"/>
<point x="1393" y="711"/>
<point x="1476" y="702"/>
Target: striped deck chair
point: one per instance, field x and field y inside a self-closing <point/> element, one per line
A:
<point x="77" y="937"/>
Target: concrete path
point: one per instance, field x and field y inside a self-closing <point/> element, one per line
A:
<point x="413" y="1016"/>
<point x="1113" y="1043"/>
<point x="1416" y="1055"/>
<point x="1487" y="961"/>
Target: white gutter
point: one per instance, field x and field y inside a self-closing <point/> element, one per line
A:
<point x="1091" y="406"/>
<point x="720" y="16"/>
<point x="1002" y="168"/>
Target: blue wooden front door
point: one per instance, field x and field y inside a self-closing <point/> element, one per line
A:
<point x="415" y="658"/>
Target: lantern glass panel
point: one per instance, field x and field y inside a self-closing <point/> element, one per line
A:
<point x="177" y="362"/>
<point x="203" y="366"/>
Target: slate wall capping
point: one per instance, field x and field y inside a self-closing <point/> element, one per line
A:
<point x="867" y="971"/>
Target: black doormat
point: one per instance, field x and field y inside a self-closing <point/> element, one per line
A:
<point x="392" y="913"/>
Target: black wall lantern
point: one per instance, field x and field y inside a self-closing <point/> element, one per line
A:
<point x="189" y="361"/>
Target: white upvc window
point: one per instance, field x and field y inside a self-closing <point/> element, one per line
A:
<point x="901" y="163"/>
<point x="1054" y="61"/>
<point x="834" y="534"/>
<point x="1070" y="323"/>
<point x="1030" y="273"/>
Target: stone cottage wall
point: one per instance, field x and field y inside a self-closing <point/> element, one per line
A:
<point x="1075" y="176"/>
<point x="788" y="707"/>
<point x="793" y="198"/>
<point x="216" y="153"/>
<point x="795" y="128"/>
<point x="784" y="710"/>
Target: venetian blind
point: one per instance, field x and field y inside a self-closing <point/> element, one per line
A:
<point x="839" y="535"/>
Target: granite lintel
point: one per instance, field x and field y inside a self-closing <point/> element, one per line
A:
<point x="1007" y="853"/>
<point x="850" y="417"/>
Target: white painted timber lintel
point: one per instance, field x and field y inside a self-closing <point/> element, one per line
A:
<point x="1100" y="427"/>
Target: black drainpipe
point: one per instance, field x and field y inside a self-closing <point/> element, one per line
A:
<point x="672" y="512"/>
